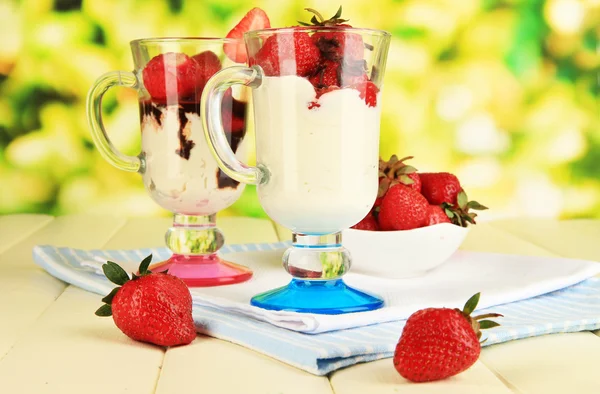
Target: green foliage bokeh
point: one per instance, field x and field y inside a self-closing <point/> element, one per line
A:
<point x="502" y="93"/>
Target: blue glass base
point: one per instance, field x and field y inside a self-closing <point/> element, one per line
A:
<point x="329" y="297"/>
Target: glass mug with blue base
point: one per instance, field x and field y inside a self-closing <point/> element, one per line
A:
<point x="317" y="151"/>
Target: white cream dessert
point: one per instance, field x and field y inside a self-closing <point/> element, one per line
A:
<point x="181" y="173"/>
<point x="322" y="154"/>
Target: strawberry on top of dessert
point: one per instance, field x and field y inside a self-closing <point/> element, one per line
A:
<point x="325" y="51"/>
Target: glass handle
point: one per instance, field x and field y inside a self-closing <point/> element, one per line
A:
<point x="94" y="116"/>
<point x="210" y="107"/>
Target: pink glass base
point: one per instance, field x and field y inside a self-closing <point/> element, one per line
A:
<point x="203" y="270"/>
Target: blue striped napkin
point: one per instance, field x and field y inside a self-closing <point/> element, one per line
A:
<point x="552" y="304"/>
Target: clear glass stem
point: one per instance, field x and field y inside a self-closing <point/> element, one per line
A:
<point x="317" y="257"/>
<point x="194" y="235"/>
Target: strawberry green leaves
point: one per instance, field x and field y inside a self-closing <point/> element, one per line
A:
<point x="118" y="276"/>
<point x="485" y="324"/>
<point x="104" y="311"/>
<point x="144" y="266"/>
<point x="115" y="273"/>
<point x="460" y="214"/>
<point x="471" y="304"/>
<point x="319" y="20"/>
<point x="476" y="321"/>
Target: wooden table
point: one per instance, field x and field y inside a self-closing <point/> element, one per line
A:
<point x="51" y="341"/>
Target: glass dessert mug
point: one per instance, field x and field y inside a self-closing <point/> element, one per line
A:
<point x="317" y="104"/>
<point x="176" y="164"/>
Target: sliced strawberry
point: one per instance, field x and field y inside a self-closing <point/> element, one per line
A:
<point x="208" y="65"/>
<point x="233" y="113"/>
<point x="338" y="45"/>
<point x="326" y="75"/>
<point x="288" y="54"/>
<point x="170" y="75"/>
<point x="368" y="91"/>
<point x="255" y="19"/>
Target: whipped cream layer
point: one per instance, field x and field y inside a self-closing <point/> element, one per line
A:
<point x="323" y="161"/>
<point x="181" y="174"/>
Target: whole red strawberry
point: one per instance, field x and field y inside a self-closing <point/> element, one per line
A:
<point x="255" y="19"/>
<point x="208" y="65"/>
<point x="151" y="307"/>
<point x="436" y="214"/>
<point x="367" y="223"/>
<point x="170" y="75"/>
<point x="289" y="53"/>
<point x="402" y="208"/>
<point x="437" y="343"/>
<point x="439" y="187"/>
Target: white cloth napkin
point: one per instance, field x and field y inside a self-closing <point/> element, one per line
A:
<point x="500" y="278"/>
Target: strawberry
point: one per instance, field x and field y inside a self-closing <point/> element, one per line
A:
<point x="367" y="223"/>
<point x="291" y="53"/>
<point x="331" y="73"/>
<point x="437" y="343"/>
<point x="367" y="91"/>
<point x="170" y="75"/>
<point x="255" y="19"/>
<point x="336" y="44"/>
<point x="396" y="170"/>
<point x="233" y="113"/>
<point x="440" y="187"/>
<point x="459" y="213"/>
<point x="436" y="214"/>
<point x="326" y="75"/>
<point x="208" y="65"/>
<point x="149" y="307"/>
<point x="402" y="208"/>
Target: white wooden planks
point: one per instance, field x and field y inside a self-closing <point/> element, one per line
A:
<point x="70" y="350"/>
<point x="380" y="377"/>
<point x="15" y="228"/>
<point x="57" y="345"/>
<point x="569" y="238"/>
<point x="558" y="363"/>
<point x="213" y="366"/>
<point x="26" y="289"/>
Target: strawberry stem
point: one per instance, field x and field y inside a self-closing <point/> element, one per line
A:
<point x="317" y="14"/>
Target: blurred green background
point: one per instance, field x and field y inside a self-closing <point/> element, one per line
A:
<point x="503" y="93"/>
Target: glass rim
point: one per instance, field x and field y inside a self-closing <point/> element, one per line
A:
<point x="183" y="39"/>
<point x="356" y="30"/>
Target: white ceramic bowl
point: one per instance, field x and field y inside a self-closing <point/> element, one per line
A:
<point x="402" y="254"/>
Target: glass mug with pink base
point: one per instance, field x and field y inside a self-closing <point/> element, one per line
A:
<point x="316" y="93"/>
<point x="176" y="164"/>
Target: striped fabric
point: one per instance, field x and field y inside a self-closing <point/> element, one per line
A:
<point x="574" y="308"/>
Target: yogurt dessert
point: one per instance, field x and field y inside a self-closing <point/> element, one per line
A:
<point x="322" y="154"/>
<point x="180" y="173"/>
<point x="317" y="113"/>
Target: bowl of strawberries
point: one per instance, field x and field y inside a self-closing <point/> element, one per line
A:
<point x="417" y="222"/>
